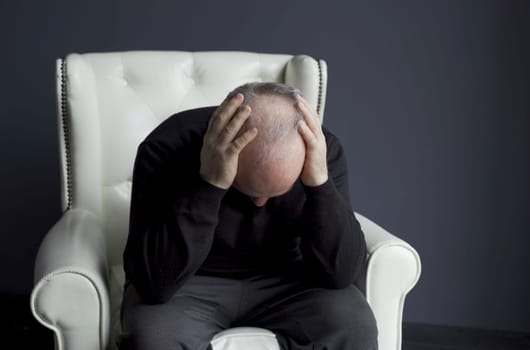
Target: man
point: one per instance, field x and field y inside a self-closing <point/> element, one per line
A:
<point x="240" y="216"/>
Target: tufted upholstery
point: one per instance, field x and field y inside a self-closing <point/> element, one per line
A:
<point x="108" y="103"/>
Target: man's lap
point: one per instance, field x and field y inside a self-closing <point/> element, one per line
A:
<point x="207" y="305"/>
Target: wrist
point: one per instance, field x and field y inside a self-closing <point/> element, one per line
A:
<point x="205" y="195"/>
<point x="323" y="190"/>
<point x="315" y="181"/>
<point x="214" y="182"/>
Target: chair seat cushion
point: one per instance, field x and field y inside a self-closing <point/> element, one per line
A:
<point x="242" y="338"/>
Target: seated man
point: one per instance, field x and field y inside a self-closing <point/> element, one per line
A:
<point x="240" y="216"/>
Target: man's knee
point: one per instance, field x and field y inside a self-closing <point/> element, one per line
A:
<point x="140" y="339"/>
<point x="153" y="328"/>
<point x="349" y="320"/>
<point x="360" y="333"/>
<point x="181" y="323"/>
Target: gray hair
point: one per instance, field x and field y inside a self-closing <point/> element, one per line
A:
<point x="275" y="129"/>
<point x="251" y="90"/>
<point x="275" y="132"/>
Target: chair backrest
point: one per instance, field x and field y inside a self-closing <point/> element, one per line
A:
<point x="109" y="102"/>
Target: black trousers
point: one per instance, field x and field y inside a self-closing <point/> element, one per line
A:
<point x="302" y="317"/>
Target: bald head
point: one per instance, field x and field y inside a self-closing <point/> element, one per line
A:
<point x="273" y="161"/>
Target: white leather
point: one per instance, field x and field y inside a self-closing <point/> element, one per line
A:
<point x="392" y="270"/>
<point x="70" y="294"/>
<point x="108" y="103"/>
<point x="306" y="71"/>
<point x="245" y="338"/>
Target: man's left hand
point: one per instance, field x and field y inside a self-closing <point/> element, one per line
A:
<point x="315" y="171"/>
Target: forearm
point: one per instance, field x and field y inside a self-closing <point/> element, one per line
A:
<point x="166" y="248"/>
<point x="333" y="244"/>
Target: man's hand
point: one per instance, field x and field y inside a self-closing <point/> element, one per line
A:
<point x="221" y="148"/>
<point x="315" y="170"/>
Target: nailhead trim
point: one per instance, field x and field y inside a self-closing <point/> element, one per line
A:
<point x="319" y="101"/>
<point x="66" y="136"/>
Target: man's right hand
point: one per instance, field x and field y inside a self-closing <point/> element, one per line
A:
<point x="221" y="148"/>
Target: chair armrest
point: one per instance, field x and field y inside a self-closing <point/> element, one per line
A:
<point x="71" y="295"/>
<point x="392" y="269"/>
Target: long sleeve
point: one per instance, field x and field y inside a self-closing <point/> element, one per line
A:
<point x="173" y="216"/>
<point x="333" y="245"/>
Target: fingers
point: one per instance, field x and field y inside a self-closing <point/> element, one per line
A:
<point x="307" y="134"/>
<point x="224" y="113"/>
<point x="239" y="143"/>
<point x="226" y="123"/>
<point x="234" y="125"/>
<point x="310" y="127"/>
<point x="310" y="116"/>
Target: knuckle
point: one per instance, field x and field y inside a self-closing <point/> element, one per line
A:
<point x="228" y="130"/>
<point x="218" y="113"/>
<point x="242" y="114"/>
<point x="232" y="150"/>
<point x="236" y="123"/>
<point x="233" y="102"/>
<point x="235" y="120"/>
<point x="221" y="116"/>
<point x="237" y="144"/>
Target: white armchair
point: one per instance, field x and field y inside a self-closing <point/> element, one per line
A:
<point x="107" y="104"/>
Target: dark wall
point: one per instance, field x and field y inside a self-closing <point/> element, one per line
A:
<point x="430" y="99"/>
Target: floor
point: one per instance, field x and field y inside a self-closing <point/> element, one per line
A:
<point x="22" y="329"/>
<point x="418" y="336"/>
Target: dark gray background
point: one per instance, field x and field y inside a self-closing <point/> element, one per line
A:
<point x="430" y="99"/>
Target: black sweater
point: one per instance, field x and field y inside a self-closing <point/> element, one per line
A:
<point x="181" y="225"/>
